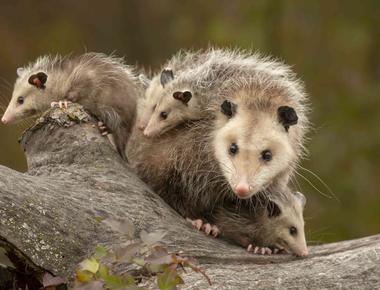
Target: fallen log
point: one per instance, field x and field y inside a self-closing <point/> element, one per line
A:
<point x="49" y="219"/>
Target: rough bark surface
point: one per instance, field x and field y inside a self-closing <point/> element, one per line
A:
<point x="49" y="218"/>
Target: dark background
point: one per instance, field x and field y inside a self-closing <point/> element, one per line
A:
<point x="334" y="46"/>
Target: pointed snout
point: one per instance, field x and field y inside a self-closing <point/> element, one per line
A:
<point x="4" y="120"/>
<point x="302" y="253"/>
<point x="149" y="132"/>
<point x="146" y="133"/>
<point x="141" y="126"/>
<point x="242" y="189"/>
<point x="7" y="118"/>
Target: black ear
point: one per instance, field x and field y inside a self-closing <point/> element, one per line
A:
<point x="38" y="80"/>
<point x="273" y="209"/>
<point x="184" y="97"/>
<point x="166" y="76"/>
<point x="287" y="116"/>
<point x="228" y="109"/>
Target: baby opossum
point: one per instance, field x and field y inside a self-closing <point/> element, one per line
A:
<point x="265" y="225"/>
<point x="181" y="61"/>
<point x="102" y="84"/>
<point x="250" y="139"/>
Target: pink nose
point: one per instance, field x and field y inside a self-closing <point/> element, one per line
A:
<point x="4" y="120"/>
<point x="303" y="253"/>
<point x="141" y="126"/>
<point x="242" y="189"/>
<point x="146" y="133"/>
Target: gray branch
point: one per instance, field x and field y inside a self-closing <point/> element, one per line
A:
<point x="49" y="218"/>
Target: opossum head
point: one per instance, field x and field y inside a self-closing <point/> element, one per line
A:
<point x="147" y="104"/>
<point x="153" y="93"/>
<point x="283" y="224"/>
<point x="172" y="109"/>
<point x="174" y="105"/>
<point x="253" y="147"/>
<point x="29" y="96"/>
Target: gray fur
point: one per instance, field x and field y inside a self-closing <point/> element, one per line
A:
<point x="251" y="223"/>
<point x="181" y="164"/>
<point x="102" y="84"/>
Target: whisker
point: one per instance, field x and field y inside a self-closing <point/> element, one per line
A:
<point x="295" y="183"/>
<point x="321" y="181"/>
<point x="312" y="185"/>
<point x="7" y="83"/>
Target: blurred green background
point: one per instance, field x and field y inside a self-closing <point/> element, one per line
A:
<point x="334" y="46"/>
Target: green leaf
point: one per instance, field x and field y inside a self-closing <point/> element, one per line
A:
<point x="84" y="276"/>
<point x="169" y="279"/>
<point x="118" y="282"/>
<point x="103" y="272"/>
<point x="90" y="265"/>
<point x="139" y="262"/>
<point x="100" y="252"/>
<point x="154" y="268"/>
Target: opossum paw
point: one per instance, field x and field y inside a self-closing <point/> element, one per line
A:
<point x="214" y="231"/>
<point x="259" y="250"/>
<point x="196" y="223"/>
<point x="211" y="230"/>
<point x="103" y="129"/>
<point x="279" y="251"/>
<point x="60" y="104"/>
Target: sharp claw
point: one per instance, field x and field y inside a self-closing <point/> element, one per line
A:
<point x="249" y="248"/>
<point x="268" y="251"/>
<point x="206" y="228"/>
<point x="195" y="223"/>
<point x="275" y="251"/>
<point x="199" y="224"/>
<point x="256" y="250"/>
<point x="215" y="231"/>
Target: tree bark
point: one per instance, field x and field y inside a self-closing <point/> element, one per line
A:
<point x="49" y="218"/>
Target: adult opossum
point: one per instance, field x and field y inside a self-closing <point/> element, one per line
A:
<point x="102" y="84"/>
<point x="249" y="140"/>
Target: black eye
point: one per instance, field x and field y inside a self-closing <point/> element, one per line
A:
<point x="266" y="155"/>
<point x="233" y="149"/>
<point x="163" y="115"/>
<point x="293" y="231"/>
<point x="20" y="100"/>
